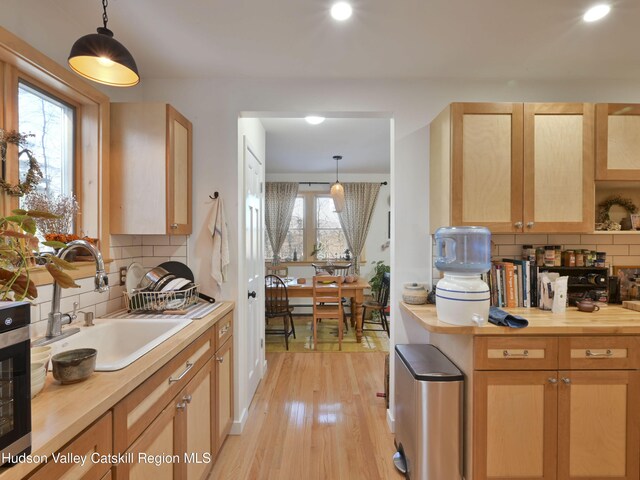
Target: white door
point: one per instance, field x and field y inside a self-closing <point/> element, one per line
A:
<point x="254" y="196"/>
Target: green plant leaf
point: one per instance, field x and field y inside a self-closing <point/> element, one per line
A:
<point x="63" y="279"/>
<point x="19" y="211"/>
<point x="54" y="244"/>
<point x="29" y="225"/>
<point x="42" y="214"/>
<point x="61" y="263"/>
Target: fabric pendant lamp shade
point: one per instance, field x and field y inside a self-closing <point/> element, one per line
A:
<point x="337" y="190"/>
<point x="101" y="58"/>
<point x="337" y="193"/>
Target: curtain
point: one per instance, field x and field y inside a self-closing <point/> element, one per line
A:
<point x="280" y="198"/>
<point x="355" y="218"/>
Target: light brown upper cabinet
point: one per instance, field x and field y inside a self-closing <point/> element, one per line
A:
<point x="150" y="169"/>
<point x="513" y="167"/>
<point x="617" y="141"/>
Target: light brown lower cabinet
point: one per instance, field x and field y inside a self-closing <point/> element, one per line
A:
<point x="178" y="443"/>
<point x="562" y="425"/>
<point x="90" y="445"/>
<point x="224" y="392"/>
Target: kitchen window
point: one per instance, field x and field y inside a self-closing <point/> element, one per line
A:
<point x="51" y="122"/>
<point x="314" y="223"/>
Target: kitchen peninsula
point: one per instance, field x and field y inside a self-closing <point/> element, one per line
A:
<point x="557" y="399"/>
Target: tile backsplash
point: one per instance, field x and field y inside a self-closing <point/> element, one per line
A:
<point x="148" y="250"/>
<point x="622" y="249"/>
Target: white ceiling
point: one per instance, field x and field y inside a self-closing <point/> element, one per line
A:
<point x="294" y="146"/>
<point x="510" y="39"/>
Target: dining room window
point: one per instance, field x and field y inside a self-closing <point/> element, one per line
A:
<point x="315" y="233"/>
<point x="329" y="238"/>
<point x="293" y="246"/>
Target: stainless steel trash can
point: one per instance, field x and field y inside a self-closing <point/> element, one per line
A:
<point x="429" y="397"/>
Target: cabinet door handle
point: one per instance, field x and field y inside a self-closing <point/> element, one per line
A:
<point x="219" y="359"/>
<point x="174" y="225"/>
<point x="552" y="380"/>
<point x="508" y="354"/>
<point x="187" y="398"/>
<point x="566" y="381"/>
<point x="181" y="376"/>
<point x="530" y="224"/>
<point x="608" y="353"/>
<point x="518" y="224"/>
<point x="181" y="406"/>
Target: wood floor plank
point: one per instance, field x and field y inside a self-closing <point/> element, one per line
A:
<point x="315" y="416"/>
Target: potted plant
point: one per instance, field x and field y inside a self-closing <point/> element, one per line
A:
<point x="378" y="272"/>
<point x="19" y="248"/>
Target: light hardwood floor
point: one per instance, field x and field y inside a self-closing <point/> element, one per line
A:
<point x="315" y="416"/>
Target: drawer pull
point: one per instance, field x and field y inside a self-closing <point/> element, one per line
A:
<point x="508" y="354"/>
<point x="181" y="406"/>
<point x="181" y="376"/>
<point x="608" y="353"/>
<point x="552" y="380"/>
<point x="224" y="330"/>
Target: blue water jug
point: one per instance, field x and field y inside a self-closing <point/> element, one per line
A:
<point x="463" y="250"/>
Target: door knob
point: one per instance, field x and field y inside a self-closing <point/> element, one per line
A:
<point x="187" y="398"/>
<point x="567" y="381"/>
<point x="518" y="224"/>
<point x="530" y="224"/>
<point x="553" y="381"/>
<point x="252" y="294"/>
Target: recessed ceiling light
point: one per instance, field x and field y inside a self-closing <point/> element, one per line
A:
<point x="341" y="11"/>
<point x="596" y="13"/>
<point x="314" y="120"/>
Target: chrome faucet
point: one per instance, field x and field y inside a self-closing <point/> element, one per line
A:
<point x="56" y="319"/>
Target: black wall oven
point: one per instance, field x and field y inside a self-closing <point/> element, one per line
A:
<point x="15" y="380"/>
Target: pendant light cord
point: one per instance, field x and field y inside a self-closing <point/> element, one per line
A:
<point x="105" y="18"/>
<point x="337" y="158"/>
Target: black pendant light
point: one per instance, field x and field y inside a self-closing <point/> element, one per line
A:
<point x="101" y="58"/>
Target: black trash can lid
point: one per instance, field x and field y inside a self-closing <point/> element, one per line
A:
<point x="427" y="363"/>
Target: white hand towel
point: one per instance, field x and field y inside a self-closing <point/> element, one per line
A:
<point x="220" y="251"/>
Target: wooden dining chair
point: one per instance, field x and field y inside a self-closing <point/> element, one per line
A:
<point x="327" y="303"/>
<point x="331" y="269"/>
<point x="276" y="304"/>
<point x="281" y="271"/>
<point x="380" y="305"/>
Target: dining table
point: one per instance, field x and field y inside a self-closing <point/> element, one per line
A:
<point x="354" y="291"/>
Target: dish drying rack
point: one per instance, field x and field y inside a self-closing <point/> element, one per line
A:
<point x="144" y="301"/>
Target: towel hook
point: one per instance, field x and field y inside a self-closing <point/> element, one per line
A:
<point x="215" y="195"/>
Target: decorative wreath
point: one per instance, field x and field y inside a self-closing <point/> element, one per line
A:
<point x="34" y="174"/>
<point x="604" y="220"/>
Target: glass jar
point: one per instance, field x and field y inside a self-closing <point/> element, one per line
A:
<point x="601" y="259"/>
<point x="569" y="258"/>
<point x="540" y="256"/>
<point x="549" y="256"/>
<point x="579" y="258"/>
<point x="558" y="253"/>
<point x="529" y="253"/>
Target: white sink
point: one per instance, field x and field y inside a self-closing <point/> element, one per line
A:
<point x="122" y="341"/>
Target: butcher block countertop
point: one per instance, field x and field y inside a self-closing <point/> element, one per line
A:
<point x="61" y="412"/>
<point x="609" y="320"/>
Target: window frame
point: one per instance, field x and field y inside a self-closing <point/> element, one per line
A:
<point x="77" y="145"/>
<point x="309" y="231"/>
<point x="19" y="60"/>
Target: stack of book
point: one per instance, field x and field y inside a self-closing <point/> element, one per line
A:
<point x="513" y="283"/>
